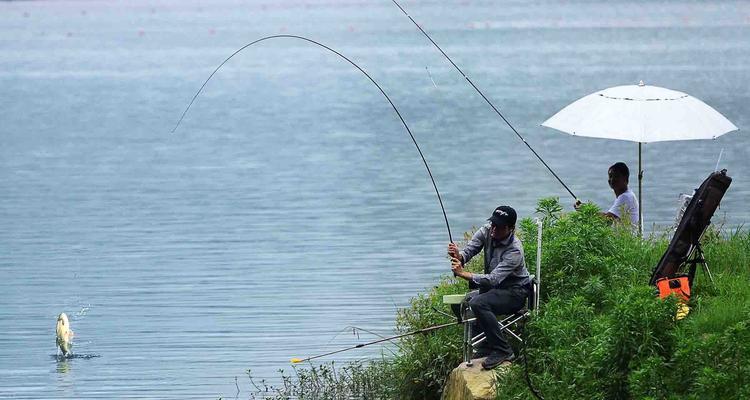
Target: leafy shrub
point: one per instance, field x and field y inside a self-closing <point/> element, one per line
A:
<point x="603" y="334"/>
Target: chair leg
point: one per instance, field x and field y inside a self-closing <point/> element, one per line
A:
<point x="513" y="334"/>
<point x="467" y="337"/>
<point x="470" y="341"/>
<point x="476" y="340"/>
<point x="505" y="325"/>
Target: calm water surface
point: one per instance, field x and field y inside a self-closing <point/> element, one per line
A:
<point x="291" y="203"/>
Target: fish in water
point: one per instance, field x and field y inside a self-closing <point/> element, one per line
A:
<point x="64" y="334"/>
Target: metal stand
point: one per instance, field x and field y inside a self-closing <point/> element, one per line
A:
<point x="698" y="257"/>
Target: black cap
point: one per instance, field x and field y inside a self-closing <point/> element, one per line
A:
<point x="503" y="215"/>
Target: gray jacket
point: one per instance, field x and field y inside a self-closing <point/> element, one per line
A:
<point x="504" y="264"/>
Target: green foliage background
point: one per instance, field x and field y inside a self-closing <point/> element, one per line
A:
<point x="601" y="332"/>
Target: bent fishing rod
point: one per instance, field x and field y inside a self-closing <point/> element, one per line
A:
<point x="412" y="333"/>
<point x="485" y="99"/>
<point x="421" y="155"/>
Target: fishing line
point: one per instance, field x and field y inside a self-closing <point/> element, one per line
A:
<point x="430" y="75"/>
<point x="486" y="99"/>
<point x="355" y="332"/>
<point x="429" y="172"/>
<point x="719" y="160"/>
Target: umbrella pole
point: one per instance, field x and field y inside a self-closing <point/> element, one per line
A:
<point x="640" y="187"/>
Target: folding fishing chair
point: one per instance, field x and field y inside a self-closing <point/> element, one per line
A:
<point x="509" y="324"/>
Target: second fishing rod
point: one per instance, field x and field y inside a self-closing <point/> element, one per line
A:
<point x="385" y="339"/>
<point x="486" y="99"/>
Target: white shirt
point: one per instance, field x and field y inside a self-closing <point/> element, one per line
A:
<point x="626" y="204"/>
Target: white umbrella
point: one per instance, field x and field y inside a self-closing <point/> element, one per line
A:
<point x="640" y="113"/>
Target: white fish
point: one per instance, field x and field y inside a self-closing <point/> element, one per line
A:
<point x="64" y="334"/>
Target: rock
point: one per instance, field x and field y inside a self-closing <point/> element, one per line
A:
<point x="471" y="383"/>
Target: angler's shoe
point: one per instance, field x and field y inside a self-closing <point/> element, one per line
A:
<point x="495" y="359"/>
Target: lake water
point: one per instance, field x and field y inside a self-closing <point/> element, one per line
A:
<point x="291" y="203"/>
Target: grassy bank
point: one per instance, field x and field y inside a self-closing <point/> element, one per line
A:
<point x="600" y="334"/>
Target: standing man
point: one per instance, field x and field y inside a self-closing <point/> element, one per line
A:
<point x="504" y="285"/>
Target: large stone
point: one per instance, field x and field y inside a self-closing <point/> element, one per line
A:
<point x="471" y="383"/>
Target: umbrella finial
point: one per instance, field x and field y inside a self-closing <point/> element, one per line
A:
<point x="641" y="83"/>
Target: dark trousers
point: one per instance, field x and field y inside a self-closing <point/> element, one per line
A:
<point x="488" y="305"/>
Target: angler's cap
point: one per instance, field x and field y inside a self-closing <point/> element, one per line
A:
<point x="504" y="215"/>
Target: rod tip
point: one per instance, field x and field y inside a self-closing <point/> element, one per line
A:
<point x="296" y="360"/>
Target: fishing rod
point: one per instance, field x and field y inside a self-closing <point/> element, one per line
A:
<point x="486" y="99"/>
<point x="418" y="331"/>
<point x="421" y="155"/>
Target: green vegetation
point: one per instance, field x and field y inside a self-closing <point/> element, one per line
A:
<point x="601" y="332"/>
<point x="352" y="381"/>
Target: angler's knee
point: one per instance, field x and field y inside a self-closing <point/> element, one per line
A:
<point x="478" y="303"/>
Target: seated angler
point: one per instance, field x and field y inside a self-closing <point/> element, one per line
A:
<point x="504" y="285"/>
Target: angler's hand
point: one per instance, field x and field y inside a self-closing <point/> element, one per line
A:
<point x="458" y="269"/>
<point x="577" y="204"/>
<point x="453" y="251"/>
